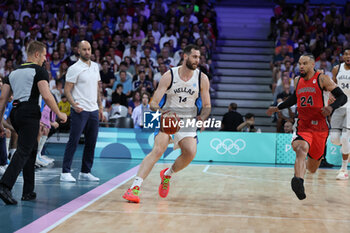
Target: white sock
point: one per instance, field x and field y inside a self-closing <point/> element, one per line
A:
<point x="137" y="182"/>
<point x="8" y="144"/>
<point x="344" y="165"/>
<point x="169" y="172"/>
<point x="41" y="144"/>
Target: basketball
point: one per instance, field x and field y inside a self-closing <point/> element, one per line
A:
<point x="169" y="123"/>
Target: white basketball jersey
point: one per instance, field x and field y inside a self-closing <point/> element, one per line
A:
<point x="182" y="96"/>
<point x="343" y="80"/>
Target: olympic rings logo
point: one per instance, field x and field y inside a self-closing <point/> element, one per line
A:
<point x="227" y="145"/>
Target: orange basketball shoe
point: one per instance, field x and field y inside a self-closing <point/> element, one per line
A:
<point x="132" y="195"/>
<point x="164" y="185"/>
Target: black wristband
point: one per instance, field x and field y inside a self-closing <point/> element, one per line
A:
<point x="290" y="101"/>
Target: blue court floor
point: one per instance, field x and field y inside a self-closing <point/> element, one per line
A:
<point x="51" y="193"/>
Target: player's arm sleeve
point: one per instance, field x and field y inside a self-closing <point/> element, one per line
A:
<point x="340" y="98"/>
<point x="290" y="101"/>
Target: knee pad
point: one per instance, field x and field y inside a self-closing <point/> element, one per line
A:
<point x="335" y="137"/>
<point x="345" y="143"/>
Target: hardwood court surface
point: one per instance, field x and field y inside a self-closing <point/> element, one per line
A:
<point x="222" y="199"/>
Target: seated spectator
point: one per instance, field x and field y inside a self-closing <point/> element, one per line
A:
<point x="249" y="124"/>
<point x="130" y="65"/>
<point x="57" y="90"/>
<point x="147" y="68"/>
<point x="137" y="33"/>
<point x="64" y="107"/>
<point x="114" y="58"/>
<point x="279" y="58"/>
<point x="288" y="127"/>
<point x="232" y="119"/>
<point x="142" y="82"/>
<point x="318" y="44"/>
<point x="126" y="81"/>
<point x="118" y="45"/>
<point x="134" y="102"/>
<point x="290" y="76"/>
<point x="7" y="69"/>
<point x="50" y="42"/>
<point x="283" y="42"/>
<point x="118" y="97"/>
<point x="123" y="67"/>
<point x="168" y="36"/>
<point x="279" y="89"/>
<point x="150" y="56"/>
<point x="179" y="53"/>
<point x="169" y="61"/>
<point x="61" y="75"/>
<point x="346" y="42"/>
<point x="144" y="9"/>
<point x="204" y="67"/>
<point x="75" y="55"/>
<point x="162" y="69"/>
<point x="154" y="46"/>
<point x="121" y="30"/>
<point x="323" y="58"/>
<point x="301" y="50"/>
<point x="138" y="113"/>
<point x="155" y="32"/>
<point x="285" y="114"/>
<point x="190" y="16"/>
<point x="300" y="16"/>
<point x="132" y="43"/>
<point x="107" y="76"/>
<point x="287" y="66"/>
<point x="160" y="60"/>
<point x="324" y="69"/>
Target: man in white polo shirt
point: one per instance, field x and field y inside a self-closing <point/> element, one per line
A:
<point x="81" y="90"/>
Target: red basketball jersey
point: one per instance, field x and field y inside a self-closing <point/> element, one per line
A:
<point x="309" y="104"/>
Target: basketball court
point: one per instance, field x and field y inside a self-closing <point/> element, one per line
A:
<point x="206" y="197"/>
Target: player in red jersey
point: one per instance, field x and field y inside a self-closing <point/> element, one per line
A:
<point x="311" y="132"/>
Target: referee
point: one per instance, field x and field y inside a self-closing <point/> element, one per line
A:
<point x="26" y="83"/>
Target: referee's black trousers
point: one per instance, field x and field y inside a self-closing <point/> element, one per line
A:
<point x="25" y="119"/>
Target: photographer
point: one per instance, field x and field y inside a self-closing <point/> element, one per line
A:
<point x="248" y="124"/>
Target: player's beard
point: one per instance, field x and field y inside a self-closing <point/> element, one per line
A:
<point x="190" y="65"/>
<point x="303" y="75"/>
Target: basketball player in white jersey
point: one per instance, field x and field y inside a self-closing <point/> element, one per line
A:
<point x="340" y="121"/>
<point x="181" y="87"/>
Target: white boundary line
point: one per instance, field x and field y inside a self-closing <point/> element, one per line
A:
<point x="86" y="205"/>
<point x="218" y="215"/>
<point x="205" y="170"/>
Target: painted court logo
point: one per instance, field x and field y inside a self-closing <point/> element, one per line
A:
<point x="152" y="120"/>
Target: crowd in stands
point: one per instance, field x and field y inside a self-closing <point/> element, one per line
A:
<point x="134" y="42"/>
<point x="323" y="31"/>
